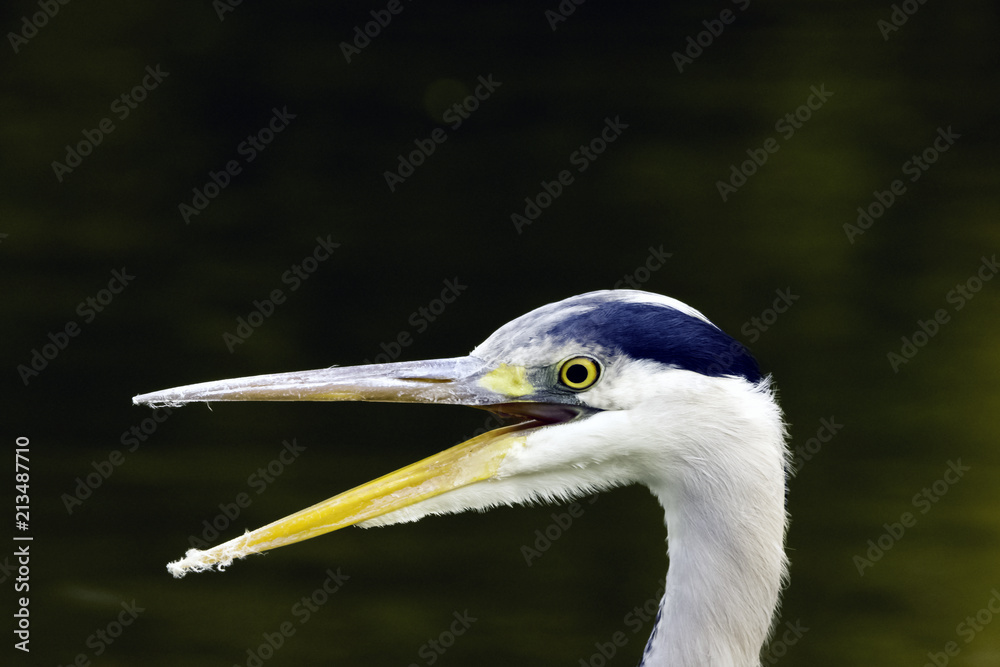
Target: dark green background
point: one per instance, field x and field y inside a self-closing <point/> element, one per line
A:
<point x="654" y="187"/>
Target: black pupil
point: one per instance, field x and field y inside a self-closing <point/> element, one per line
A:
<point x="577" y="373"/>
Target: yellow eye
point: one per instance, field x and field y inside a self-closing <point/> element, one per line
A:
<point x="579" y="373"/>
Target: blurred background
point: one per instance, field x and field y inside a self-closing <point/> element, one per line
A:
<point x="210" y="190"/>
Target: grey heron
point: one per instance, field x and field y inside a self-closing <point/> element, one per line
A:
<point x="605" y="389"/>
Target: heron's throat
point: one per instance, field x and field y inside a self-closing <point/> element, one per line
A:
<point x="727" y="567"/>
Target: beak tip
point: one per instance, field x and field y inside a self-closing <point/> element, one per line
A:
<point x="158" y="399"/>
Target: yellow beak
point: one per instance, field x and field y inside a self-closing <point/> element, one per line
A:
<point x="464" y="380"/>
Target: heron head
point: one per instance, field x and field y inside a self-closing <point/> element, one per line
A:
<point x="585" y="382"/>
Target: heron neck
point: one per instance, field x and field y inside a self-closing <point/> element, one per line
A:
<point x="727" y="564"/>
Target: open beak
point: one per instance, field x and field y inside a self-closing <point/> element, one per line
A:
<point x="463" y="380"/>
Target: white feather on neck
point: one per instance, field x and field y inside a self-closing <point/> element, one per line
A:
<point x="723" y="499"/>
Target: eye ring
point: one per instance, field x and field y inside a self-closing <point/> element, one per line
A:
<point x="579" y="373"/>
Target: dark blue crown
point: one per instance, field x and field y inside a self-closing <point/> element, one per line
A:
<point x="660" y="333"/>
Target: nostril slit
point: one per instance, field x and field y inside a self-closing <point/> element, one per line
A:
<point x="428" y="380"/>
